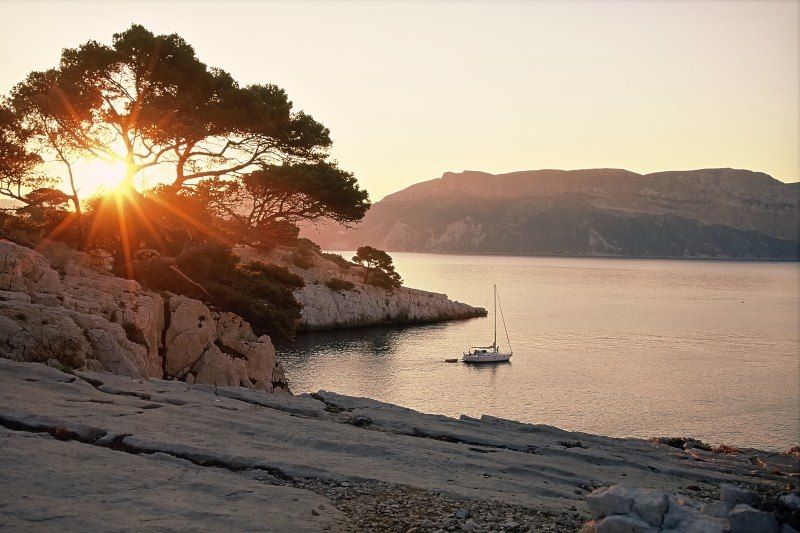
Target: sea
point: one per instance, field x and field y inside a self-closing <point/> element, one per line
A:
<point x="617" y="347"/>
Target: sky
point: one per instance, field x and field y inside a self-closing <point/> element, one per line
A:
<point x="411" y="90"/>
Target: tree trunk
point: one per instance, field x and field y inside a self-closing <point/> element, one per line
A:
<point x="76" y="203"/>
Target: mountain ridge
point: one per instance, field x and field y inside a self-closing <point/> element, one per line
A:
<point x="714" y="213"/>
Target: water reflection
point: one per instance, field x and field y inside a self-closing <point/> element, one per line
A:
<point x="612" y="346"/>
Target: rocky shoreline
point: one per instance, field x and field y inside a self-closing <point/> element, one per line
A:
<point x="362" y="304"/>
<point x="157" y="454"/>
<point x="55" y="305"/>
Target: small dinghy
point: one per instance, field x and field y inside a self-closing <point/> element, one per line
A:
<point x="490" y="354"/>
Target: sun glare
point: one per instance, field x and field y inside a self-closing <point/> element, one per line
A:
<point x="93" y="176"/>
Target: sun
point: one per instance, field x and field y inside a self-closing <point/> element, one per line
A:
<point x="97" y="176"/>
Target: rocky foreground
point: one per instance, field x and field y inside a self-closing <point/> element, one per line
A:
<point x="86" y="450"/>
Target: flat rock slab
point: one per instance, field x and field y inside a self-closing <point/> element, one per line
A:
<point x="52" y="485"/>
<point x="112" y="429"/>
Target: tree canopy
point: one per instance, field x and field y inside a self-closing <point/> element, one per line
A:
<point x="244" y="152"/>
<point x="233" y="164"/>
<point x="380" y="266"/>
<point x="149" y="101"/>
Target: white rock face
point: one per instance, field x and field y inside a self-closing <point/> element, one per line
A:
<point x="54" y="305"/>
<point x="365" y="304"/>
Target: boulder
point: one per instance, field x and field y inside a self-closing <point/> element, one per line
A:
<point x="605" y="501"/>
<point x="32" y="332"/>
<point x="221" y="370"/>
<point x="189" y="335"/>
<point x="704" y="524"/>
<point x="22" y="269"/>
<point x="790" y="501"/>
<point x="745" y="519"/>
<point x="680" y="514"/>
<point x="718" y="509"/>
<point x="733" y="494"/>
<point x="651" y="506"/>
<point x="623" y="524"/>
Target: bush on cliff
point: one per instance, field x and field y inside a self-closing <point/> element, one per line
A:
<point x="380" y="270"/>
<point x="343" y="263"/>
<point x="339" y="285"/>
<point x="258" y="292"/>
<point x="302" y="255"/>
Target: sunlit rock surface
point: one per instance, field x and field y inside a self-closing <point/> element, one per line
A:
<point x="55" y="307"/>
<point x="364" y="304"/>
<point x="170" y="455"/>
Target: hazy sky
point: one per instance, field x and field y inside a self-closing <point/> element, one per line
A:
<point x="411" y="90"/>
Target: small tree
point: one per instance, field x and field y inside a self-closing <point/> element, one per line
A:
<point x="40" y="206"/>
<point x="380" y="267"/>
<point x="16" y="161"/>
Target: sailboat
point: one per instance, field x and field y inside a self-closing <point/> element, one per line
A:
<point x="490" y="354"/>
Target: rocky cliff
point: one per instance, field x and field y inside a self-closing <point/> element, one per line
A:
<point x="55" y="307"/>
<point x="709" y="213"/>
<point x="362" y="304"/>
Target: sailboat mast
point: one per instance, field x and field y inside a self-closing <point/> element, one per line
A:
<point x="495" y="315"/>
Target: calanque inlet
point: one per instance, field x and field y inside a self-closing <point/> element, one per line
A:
<point x="100" y="375"/>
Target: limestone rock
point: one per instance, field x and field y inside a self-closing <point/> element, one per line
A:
<point x="189" y="335"/>
<point x="623" y="524"/>
<point x="55" y="307"/>
<point x="630" y="509"/>
<point x="733" y="494"/>
<point x="718" y="509"/>
<point x="365" y="304"/>
<point x="22" y="269"/>
<point x="32" y="332"/>
<point x="680" y="514"/>
<point x="606" y="501"/>
<point x="651" y="506"/>
<point x="745" y="519"/>
<point x="791" y="501"/>
<point x="221" y="370"/>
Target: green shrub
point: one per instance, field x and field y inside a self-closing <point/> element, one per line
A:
<point x="308" y="245"/>
<point x="208" y="261"/>
<point x="343" y="263"/>
<point x="381" y="279"/>
<point x="339" y="285"/>
<point x="302" y="258"/>
<point x="260" y="293"/>
<point x="276" y="273"/>
<point x="159" y="274"/>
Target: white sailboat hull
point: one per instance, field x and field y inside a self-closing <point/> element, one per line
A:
<point x="492" y="357"/>
<point x="490" y="354"/>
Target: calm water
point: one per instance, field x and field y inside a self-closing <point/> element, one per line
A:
<point x="620" y="347"/>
